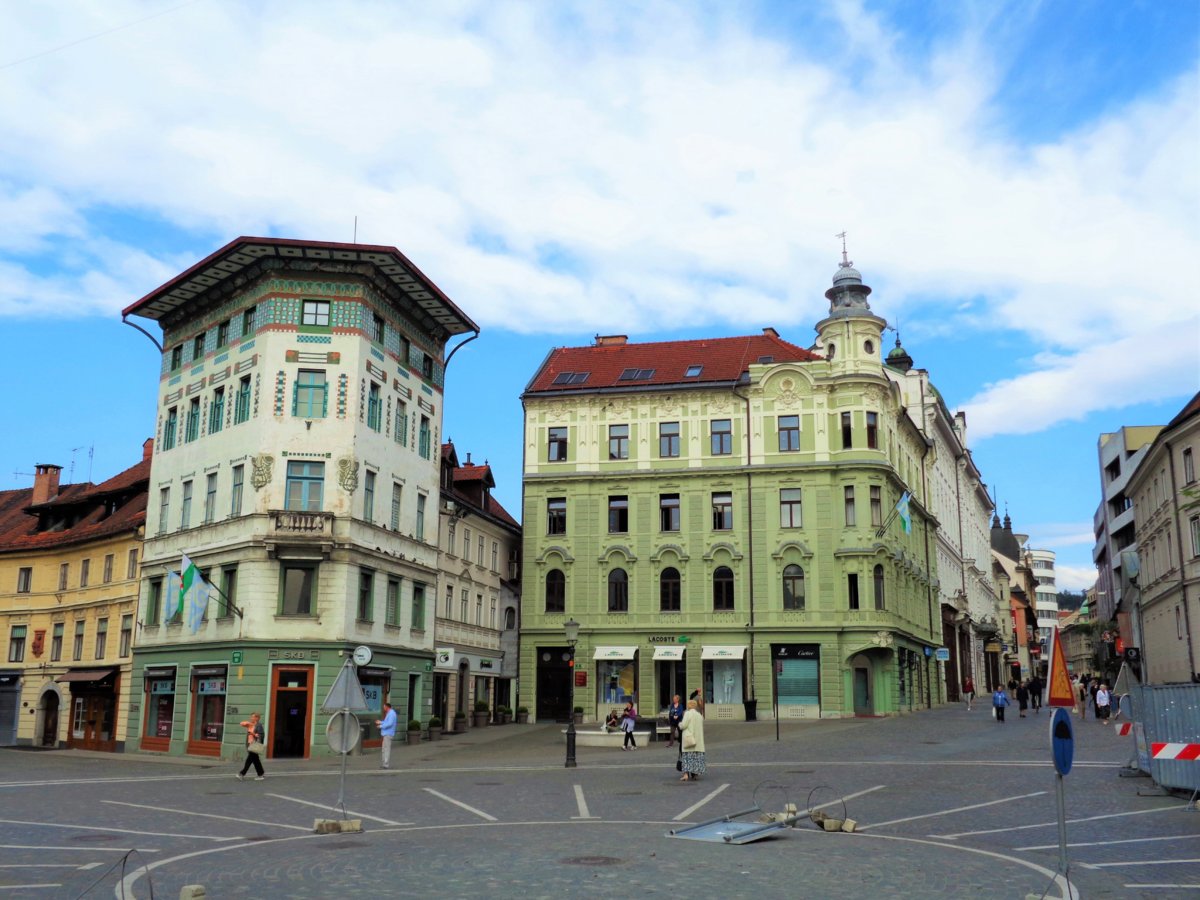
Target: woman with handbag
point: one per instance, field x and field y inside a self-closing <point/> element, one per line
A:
<point x="256" y="738"/>
<point x="691" y="732"/>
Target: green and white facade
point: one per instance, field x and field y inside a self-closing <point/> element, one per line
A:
<point x="296" y="463"/>
<point x="715" y="515"/>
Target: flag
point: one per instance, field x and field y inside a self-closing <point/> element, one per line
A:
<point x="171" y="598"/>
<point x="902" y="509"/>
<point x="194" y="592"/>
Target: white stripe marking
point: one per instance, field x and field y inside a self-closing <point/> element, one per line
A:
<point x="90" y="866"/>
<point x="946" y="812"/>
<point x="1140" y="812"/>
<point x="185" y="812"/>
<point x="76" y="849"/>
<point x="1175" y="837"/>
<point x="198" y="837"/>
<point x="349" y="812"/>
<point x="1144" y="862"/>
<point x="41" y="866"/>
<point x="472" y="809"/>
<point x="582" y="804"/>
<point x="1191" y="887"/>
<point x="13" y="887"/>
<point x="691" y="809"/>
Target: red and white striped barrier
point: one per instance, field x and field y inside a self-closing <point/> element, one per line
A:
<point x="1124" y="728"/>
<point x="1175" y="751"/>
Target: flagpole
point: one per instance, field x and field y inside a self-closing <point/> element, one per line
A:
<point x="228" y="603"/>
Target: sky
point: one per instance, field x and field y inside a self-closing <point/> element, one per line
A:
<point x="1019" y="183"/>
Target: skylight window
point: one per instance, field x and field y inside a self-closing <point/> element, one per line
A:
<point x="693" y="371"/>
<point x="571" y="377"/>
<point x="636" y="375"/>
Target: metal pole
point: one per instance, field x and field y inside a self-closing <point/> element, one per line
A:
<point x="342" y="784"/>
<point x="775" y="693"/>
<point x="1062" y="826"/>
<point x="570" y="763"/>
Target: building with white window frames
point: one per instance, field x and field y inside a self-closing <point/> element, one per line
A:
<point x="299" y="394"/>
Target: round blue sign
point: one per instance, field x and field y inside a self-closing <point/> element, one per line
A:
<point x="1062" y="740"/>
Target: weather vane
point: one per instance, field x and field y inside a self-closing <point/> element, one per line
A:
<point x="845" y="262"/>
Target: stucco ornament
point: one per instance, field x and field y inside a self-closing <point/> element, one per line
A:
<point x="348" y="474"/>
<point x="261" y="467"/>
<point x="883" y="638"/>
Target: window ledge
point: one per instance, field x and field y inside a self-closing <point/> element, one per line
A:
<point x="296" y="616"/>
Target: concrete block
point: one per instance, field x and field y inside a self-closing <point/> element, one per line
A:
<point x="849" y="825"/>
<point x="192" y="892"/>
<point x="832" y="824"/>
<point x="337" y="826"/>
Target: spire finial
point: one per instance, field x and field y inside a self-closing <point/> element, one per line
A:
<point x="846" y="263"/>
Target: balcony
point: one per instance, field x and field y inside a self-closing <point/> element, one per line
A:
<point x="293" y="522"/>
<point x="295" y="534"/>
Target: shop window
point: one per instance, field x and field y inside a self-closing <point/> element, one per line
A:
<point x="208" y="705"/>
<point x="723" y="680"/>
<point x="616" y="681"/>
<point x="160" y="704"/>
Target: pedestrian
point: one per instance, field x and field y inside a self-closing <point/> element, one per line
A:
<point x="1012" y="688"/>
<point x="1093" y="689"/>
<point x="387" y="731"/>
<point x="628" y="720"/>
<point x="1103" y="702"/>
<point x="691" y="729"/>
<point x="698" y="696"/>
<point x="674" y="717"/>
<point x="999" y="701"/>
<point x="256" y="739"/>
<point x="969" y="691"/>
<point x="1083" y="697"/>
<point x="1022" y="698"/>
<point x="1035" y="693"/>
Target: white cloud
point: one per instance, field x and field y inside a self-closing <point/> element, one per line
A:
<point x="1074" y="578"/>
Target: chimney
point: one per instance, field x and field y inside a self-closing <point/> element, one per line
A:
<point x="469" y="463"/>
<point x="147" y="449"/>
<point x="45" y="482"/>
<point x="770" y="332"/>
<point x="611" y="340"/>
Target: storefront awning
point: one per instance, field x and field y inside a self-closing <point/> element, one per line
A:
<point x="723" y="652"/>
<point x="615" y="653"/>
<point x="669" y="652"/>
<point x="85" y="675"/>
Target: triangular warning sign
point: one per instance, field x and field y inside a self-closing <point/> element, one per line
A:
<point x="346" y="693"/>
<point x="1060" y="692"/>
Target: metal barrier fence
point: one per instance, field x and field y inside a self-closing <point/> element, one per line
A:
<point x="1166" y="714"/>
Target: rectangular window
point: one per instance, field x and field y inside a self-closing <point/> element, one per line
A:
<point x="56" y="642"/>
<point x="192" y="427"/>
<point x="64" y="573"/>
<point x="305" y="486"/>
<point x="176" y="357"/>
<point x="216" y="411"/>
<point x="222" y="334"/>
<point x="374" y="408"/>
<point x="235" y="499"/>
<point x="126" y="636"/>
<point x="848" y="497"/>
<point x="618" y="442"/>
<point x="369" y="496"/>
<point x="131" y="566"/>
<point x="464" y="600"/>
<point x="101" y="637"/>
<point x="1189" y="466"/>
<point x="108" y="568"/>
<point x="418" y="607"/>
<point x="466" y="554"/>
<point x="401" y="423"/>
<point x="847" y="432"/>
<point x="479" y="609"/>
<point x="721" y="437"/>
<point x="299" y="589"/>
<point x="668" y="439"/>
<point x="315" y="312"/>
<point x="397" y="495"/>
<point x="366" y="595"/>
<point x="85" y="568"/>
<point x="492" y="619"/>
<point x="1194" y="524"/>
<point x="210" y="497"/>
<point x="198" y="347"/>
<point x="405" y="352"/>
<point x="556" y="445"/>
<point x="164" y="509"/>
<point x="77" y="649"/>
<point x="556" y="515"/>
<point x="449" y="601"/>
<point x="208" y="704"/>
<point x="791" y="512"/>
<point x="377" y="329"/>
<point x="427" y="366"/>
<point x="309" y="400"/>
<point x="171" y="428"/>
<point x="668" y="512"/>
<point x="722" y="511"/>
<point x="154" y="592"/>
<point x="423" y="438"/>
<point x="873" y="430"/>
<point x="479" y="558"/>
<point x="852" y="590"/>
<point x="495" y="556"/>
<point x="16" y="643"/>
<point x="24" y="579"/>
<point x="876" y="506"/>
<point x="618" y="515"/>
<point x="185" y="505"/>
<point x="420" y="517"/>
<point x="248" y="322"/>
<point x="227" y="602"/>
<point x="241" y="404"/>
<point x="391" y="612"/>
<point x="789" y="433"/>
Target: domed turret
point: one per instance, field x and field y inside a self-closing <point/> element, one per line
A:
<point x="898" y="358"/>
<point x="848" y="296"/>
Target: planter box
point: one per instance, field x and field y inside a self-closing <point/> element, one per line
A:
<point x="523" y="718"/>
<point x="481" y="719"/>
<point x="414" y="737"/>
<point x="435" y="733"/>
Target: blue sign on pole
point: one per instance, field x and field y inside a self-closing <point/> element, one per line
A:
<point x="1062" y="740"/>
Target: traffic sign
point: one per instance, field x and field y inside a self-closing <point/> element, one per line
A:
<point x="342" y="732"/>
<point x="347" y="692"/>
<point x="1059" y="688"/>
<point x="1062" y="741"/>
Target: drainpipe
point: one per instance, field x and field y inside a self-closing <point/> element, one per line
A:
<point x="1187" y="624"/>
<point x="749" y="538"/>
<point x="928" y="570"/>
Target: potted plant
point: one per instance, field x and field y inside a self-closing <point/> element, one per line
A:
<point x="435" y="728"/>
<point x="522" y="715"/>
<point x="579" y="715"/>
<point x="481" y="713"/>
<point x="414" y="731"/>
<point x="505" y="715"/>
<point x="460" y="721"/>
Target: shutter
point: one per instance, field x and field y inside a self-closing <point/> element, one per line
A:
<point x="295" y="396"/>
<point x="799" y="681"/>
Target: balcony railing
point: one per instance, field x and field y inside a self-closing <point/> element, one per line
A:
<point x="295" y="522"/>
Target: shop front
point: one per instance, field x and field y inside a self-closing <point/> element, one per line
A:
<point x="616" y="673"/>
<point x="158" y="703"/>
<point x="93" y="715"/>
<point x="10" y="696"/>
<point x="796" y="675"/>
<point x="670" y="675"/>
<point x="206" y="719"/>
<point x="723" y="674"/>
<point x="554" y="684"/>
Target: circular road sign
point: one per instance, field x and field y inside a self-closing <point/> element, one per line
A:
<point x="342" y="732"/>
<point x="1062" y="740"/>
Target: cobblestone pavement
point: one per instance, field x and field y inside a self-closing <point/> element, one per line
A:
<point x="948" y="803"/>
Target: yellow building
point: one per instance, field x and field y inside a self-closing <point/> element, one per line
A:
<point x="69" y="557"/>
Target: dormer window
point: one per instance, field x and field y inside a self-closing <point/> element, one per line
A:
<point x="636" y="375"/>
<point x="693" y="371"/>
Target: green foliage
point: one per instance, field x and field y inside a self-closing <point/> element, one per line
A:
<point x="435" y="722"/>
<point x="481" y="706"/>
<point x="523" y="709"/>
<point x="414" y="724"/>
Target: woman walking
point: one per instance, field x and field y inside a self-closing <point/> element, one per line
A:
<point x="1023" y="697"/>
<point x="256" y="738"/>
<point x="691" y="733"/>
<point x="674" y="717"/>
<point x="628" y="720"/>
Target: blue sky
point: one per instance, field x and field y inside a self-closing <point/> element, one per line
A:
<point x="1019" y="181"/>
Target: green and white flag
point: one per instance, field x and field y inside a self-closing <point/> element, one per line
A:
<point x="171" y="597"/>
<point x="193" y="594"/>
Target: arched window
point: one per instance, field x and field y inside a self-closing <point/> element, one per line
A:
<point x="510" y="619"/>
<point x="723" y="589"/>
<point x="668" y="590"/>
<point x="793" y="587"/>
<point x="556" y="591"/>
<point x="618" y="591"/>
<point x="879" y="587"/>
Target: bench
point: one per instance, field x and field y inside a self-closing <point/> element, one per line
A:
<point x="590" y="737"/>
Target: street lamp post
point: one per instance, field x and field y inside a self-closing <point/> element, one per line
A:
<point x="571" y="627"/>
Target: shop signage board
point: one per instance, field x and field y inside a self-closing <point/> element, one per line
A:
<point x="942" y="654"/>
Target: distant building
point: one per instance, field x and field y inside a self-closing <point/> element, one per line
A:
<point x="1045" y="602"/>
<point x="1020" y="635"/>
<point x="69" y="561"/>
<point x="1166" y="504"/>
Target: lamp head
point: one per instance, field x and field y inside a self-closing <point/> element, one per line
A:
<point x="571" y="627"/>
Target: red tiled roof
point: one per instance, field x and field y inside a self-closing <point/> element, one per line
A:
<point x="1187" y="412"/>
<point x="721" y="360"/>
<point x="472" y="472"/>
<point x="494" y="508"/>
